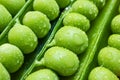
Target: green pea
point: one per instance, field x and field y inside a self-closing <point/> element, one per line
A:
<point x="4" y="75"/>
<point x="11" y="57"/>
<point x="38" y="22"/>
<point x="5" y="17"/>
<point x="13" y="6"/>
<point x="43" y="74"/>
<point x="101" y="73"/>
<point x="109" y="57"/>
<point x="61" y="60"/>
<point x="77" y="20"/>
<point x="23" y="37"/>
<point x="63" y="3"/>
<point x="71" y="38"/>
<point x="114" y="41"/>
<point x="48" y="7"/>
<point x="115" y="24"/>
<point x="86" y="8"/>
<point x="99" y="3"/>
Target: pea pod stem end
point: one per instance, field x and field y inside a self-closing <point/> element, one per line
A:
<point x="52" y="43"/>
<point x="39" y="63"/>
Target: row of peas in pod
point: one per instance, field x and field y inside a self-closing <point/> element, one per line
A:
<point x="109" y="56"/>
<point x="11" y="57"/>
<point x="68" y="42"/>
<point x="22" y="35"/>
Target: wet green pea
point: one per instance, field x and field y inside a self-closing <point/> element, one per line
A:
<point x="71" y="38"/>
<point x="43" y="74"/>
<point x="61" y="60"/>
<point x="23" y="37"/>
<point x="4" y="75"/>
<point x="77" y="20"/>
<point x="13" y="6"/>
<point x="48" y="7"/>
<point x="5" y="17"/>
<point x="114" y="41"/>
<point x="38" y="22"/>
<point x="109" y="57"/>
<point x="115" y="24"/>
<point x="63" y="3"/>
<point x="11" y="57"/>
<point x="86" y="8"/>
<point x="101" y="73"/>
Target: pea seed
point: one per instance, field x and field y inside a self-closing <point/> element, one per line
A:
<point x="4" y="75"/>
<point x="71" y="38"/>
<point x="11" y="57"/>
<point x="99" y="3"/>
<point x="48" y="7"/>
<point x="115" y="24"/>
<point x="114" y="41"/>
<point x="13" y="6"/>
<point x="5" y="17"/>
<point x="61" y="60"/>
<point x="23" y="37"/>
<point x="109" y="57"/>
<point x="43" y="74"/>
<point x="38" y="22"/>
<point x="63" y="3"/>
<point x="101" y="73"/>
<point x="77" y="20"/>
<point x="86" y="8"/>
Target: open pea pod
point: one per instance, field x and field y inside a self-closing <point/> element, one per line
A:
<point x="30" y="60"/>
<point x="14" y="20"/>
<point x="98" y="35"/>
<point x="3" y="38"/>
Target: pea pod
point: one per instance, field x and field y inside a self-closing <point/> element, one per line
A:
<point x="97" y="35"/>
<point x="30" y="60"/>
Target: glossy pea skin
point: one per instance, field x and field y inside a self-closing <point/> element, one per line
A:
<point x="23" y="37"/>
<point x="102" y="73"/>
<point x="115" y="24"/>
<point x="43" y="74"/>
<point x="71" y="38"/>
<point x="48" y="7"/>
<point x="38" y="22"/>
<point x="109" y="57"/>
<point x="5" y="17"/>
<point x="4" y="75"/>
<point x="114" y="41"/>
<point x="13" y="6"/>
<point x="11" y="57"/>
<point x="61" y="60"/>
<point x="77" y="20"/>
<point x="63" y="3"/>
<point x="86" y="8"/>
